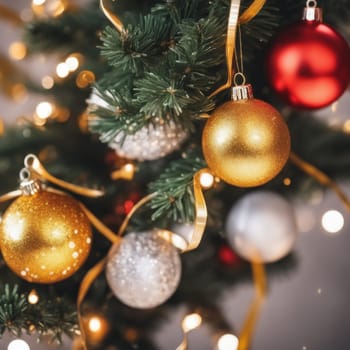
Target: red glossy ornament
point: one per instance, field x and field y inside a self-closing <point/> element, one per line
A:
<point x="308" y="64"/>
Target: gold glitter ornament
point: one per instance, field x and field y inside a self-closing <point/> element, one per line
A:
<point x="245" y="141"/>
<point x="45" y="237"/>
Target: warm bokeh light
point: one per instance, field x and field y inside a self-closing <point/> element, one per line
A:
<point x="62" y="70"/>
<point x="85" y="78"/>
<point x="72" y="63"/>
<point x="38" y="2"/>
<point x="44" y="110"/>
<point x="33" y="297"/>
<point x="95" y="324"/>
<point x="17" y="50"/>
<point x="18" y="344"/>
<point x="346" y="126"/>
<point x="47" y="82"/>
<point x="228" y="342"/>
<point x="287" y="181"/>
<point x="19" y="92"/>
<point x="206" y="180"/>
<point x="332" y="221"/>
<point x="191" y="322"/>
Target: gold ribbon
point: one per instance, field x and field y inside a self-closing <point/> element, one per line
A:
<point x="259" y="278"/>
<point x="201" y="212"/>
<point x="10" y="195"/>
<point x="111" y="16"/>
<point x="233" y="21"/>
<point x="32" y="162"/>
<point x="138" y="205"/>
<point x="85" y="285"/>
<point x="320" y="177"/>
<point x="251" y="11"/>
<point x="126" y="172"/>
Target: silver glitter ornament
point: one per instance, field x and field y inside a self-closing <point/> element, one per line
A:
<point x="261" y="227"/>
<point x="144" y="270"/>
<point x="151" y="142"/>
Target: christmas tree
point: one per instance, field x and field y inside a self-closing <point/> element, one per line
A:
<point x="159" y="169"/>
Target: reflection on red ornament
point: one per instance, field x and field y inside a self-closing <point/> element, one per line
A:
<point x="308" y="65"/>
<point x="227" y="256"/>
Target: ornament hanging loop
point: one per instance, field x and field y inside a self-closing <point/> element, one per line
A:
<point x="29" y="185"/>
<point x="312" y="12"/>
<point x="311" y="3"/>
<point x="32" y="164"/>
<point x="239" y="79"/>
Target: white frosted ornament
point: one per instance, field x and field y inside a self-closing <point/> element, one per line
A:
<point x="143" y="270"/>
<point x="151" y="142"/>
<point x="95" y="100"/>
<point x="261" y="227"/>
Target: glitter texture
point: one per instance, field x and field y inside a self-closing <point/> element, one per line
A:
<point x="45" y="237"/>
<point x="150" y="142"/>
<point x="144" y="270"/>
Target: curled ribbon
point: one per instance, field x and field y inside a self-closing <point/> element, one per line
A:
<point x="320" y="177"/>
<point x="32" y="163"/>
<point x="201" y="212"/>
<point x="259" y="278"/>
<point x="233" y="21"/>
<point x="111" y="16"/>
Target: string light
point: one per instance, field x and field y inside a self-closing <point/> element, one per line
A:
<point x="206" y="180"/>
<point x="191" y="322"/>
<point x="38" y="2"/>
<point x="44" y="110"/>
<point x="287" y="181"/>
<point x="95" y="324"/>
<point x="33" y="297"/>
<point x="227" y="342"/>
<point x="73" y="62"/>
<point x="47" y="82"/>
<point x="18" y="344"/>
<point x="332" y="221"/>
<point x="346" y="126"/>
<point x="62" y="70"/>
<point x="17" y="50"/>
<point x="85" y="78"/>
<point x="97" y="327"/>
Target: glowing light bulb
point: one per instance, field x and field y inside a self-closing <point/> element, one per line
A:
<point x="206" y="180"/>
<point x="44" y="110"/>
<point x="287" y="181"/>
<point x="227" y="342"/>
<point x="72" y="63"/>
<point x="191" y="322"/>
<point x="38" y="2"/>
<point x="346" y="126"/>
<point x="62" y="70"/>
<point x="332" y="221"/>
<point x="95" y="324"/>
<point x="47" y="82"/>
<point x="18" y="344"/>
<point x="33" y="297"/>
<point x="17" y="50"/>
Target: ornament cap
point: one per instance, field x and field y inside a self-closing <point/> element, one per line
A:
<point x="29" y="186"/>
<point x="242" y="92"/>
<point x="312" y="13"/>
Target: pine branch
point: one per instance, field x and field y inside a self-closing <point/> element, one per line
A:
<point x="174" y="187"/>
<point x="12" y="308"/>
